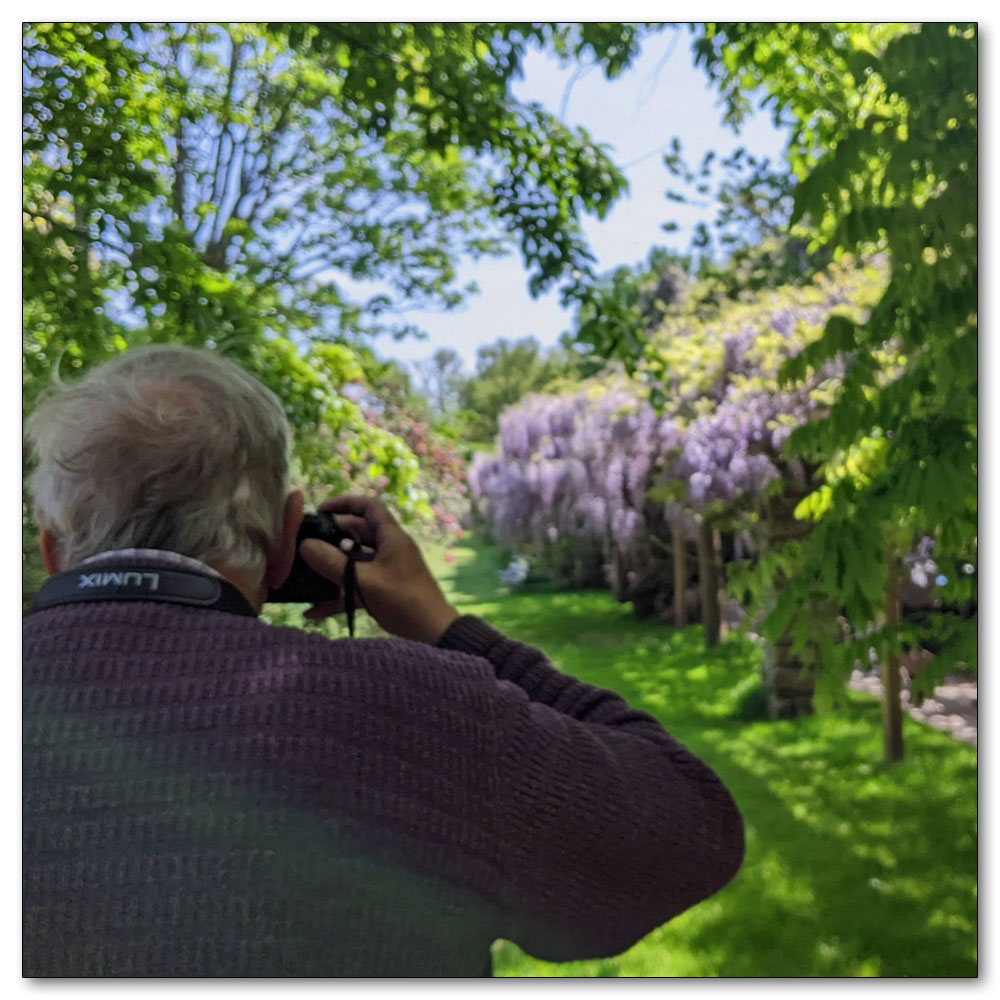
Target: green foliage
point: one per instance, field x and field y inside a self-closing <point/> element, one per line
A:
<point x="507" y="371"/>
<point x="221" y="182"/>
<point x="685" y="362"/>
<point x="747" y="246"/>
<point x="91" y="144"/>
<point x="882" y="120"/>
<point x="885" y="143"/>
<point x="745" y="249"/>
<point x="281" y="195"/>
<point x="451" y="83"/>
<point x="622" y="307"/>
<point x="263" y="205"/>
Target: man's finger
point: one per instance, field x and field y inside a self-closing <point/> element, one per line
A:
<point x="357" y="526"/>
<point x="348" y="504"/>
<point x="375" y="513"/>
<point x="328" y="561"/>
<point x="327" y="610"/>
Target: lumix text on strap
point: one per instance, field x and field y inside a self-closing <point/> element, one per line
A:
<point x="142" y="582"/>
<point x="153" y="582"/>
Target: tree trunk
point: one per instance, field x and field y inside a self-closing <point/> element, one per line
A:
<point x="708" y="582"/>
<point x="892" y="711"/>
<point x="678" y="536"/>
<point x="786" y="677"/>
<point x="718" y="564"/>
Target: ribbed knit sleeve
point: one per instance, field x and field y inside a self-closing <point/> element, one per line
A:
<point x="607" y="827"/>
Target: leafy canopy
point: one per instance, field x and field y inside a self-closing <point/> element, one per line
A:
<point x="882" y="155"/>
<point x="283" y="194"/>
<point x="884" y="143"/>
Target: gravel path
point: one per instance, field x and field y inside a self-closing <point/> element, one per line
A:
<point x="953" y="708"/>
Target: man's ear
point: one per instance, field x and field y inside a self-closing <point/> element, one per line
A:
<point x="50" y="552"/>
<point x="282" y="554"/>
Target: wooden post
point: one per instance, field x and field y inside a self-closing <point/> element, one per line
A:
<point x="708" y="583"/>
<point x="892" y="711"/>
<point x="677" y="535"/>
<point x="720" y="590"/>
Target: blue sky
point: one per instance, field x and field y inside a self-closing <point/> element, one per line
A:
<point x="663" y="95"/>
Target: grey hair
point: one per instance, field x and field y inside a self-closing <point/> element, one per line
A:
<point x="162" y="447"/>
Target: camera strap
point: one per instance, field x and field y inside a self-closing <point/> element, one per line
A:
<point x="149" y="582"/>
<point x="352" y="592"/>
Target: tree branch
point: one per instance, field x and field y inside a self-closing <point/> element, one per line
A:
<point x="80" y="235"/>
<point x="219" y="175"/>
<point x="180" y="163"/>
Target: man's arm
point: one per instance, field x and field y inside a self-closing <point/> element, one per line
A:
<point x="607" y="826"/>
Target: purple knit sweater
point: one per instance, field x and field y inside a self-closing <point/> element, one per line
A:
<point x="207" y="795"/>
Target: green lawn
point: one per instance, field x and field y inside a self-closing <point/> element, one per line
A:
<point x="853" y="868"/>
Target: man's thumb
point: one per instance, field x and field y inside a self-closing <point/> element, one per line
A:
<point x="328" y="561"/>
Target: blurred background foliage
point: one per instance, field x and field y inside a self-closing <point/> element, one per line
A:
<point x="782" y="415"/>
<point x="805" y="377"/>
<point x="278" y="193"/>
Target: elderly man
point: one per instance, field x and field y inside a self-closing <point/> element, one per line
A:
<point x="207" y="795"/>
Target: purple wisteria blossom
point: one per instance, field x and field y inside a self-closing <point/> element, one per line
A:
<point x="573" y="471"/>
<point x="572" y="478"/>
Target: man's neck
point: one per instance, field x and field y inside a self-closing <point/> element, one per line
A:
<point x="251" y="588"/>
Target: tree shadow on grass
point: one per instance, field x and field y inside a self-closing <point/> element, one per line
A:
<point x="665" y="671"/>
<point x="853" y="867"/>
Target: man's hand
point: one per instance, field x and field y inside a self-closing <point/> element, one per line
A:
<point x="396" y="586"/>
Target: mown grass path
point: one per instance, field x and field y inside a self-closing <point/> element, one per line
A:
<point x="853" y="867"/>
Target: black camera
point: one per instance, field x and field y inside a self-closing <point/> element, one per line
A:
<point x="304" y="585"/>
